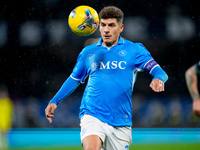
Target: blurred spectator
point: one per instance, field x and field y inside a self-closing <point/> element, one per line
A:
<point x="176" y="113"/>
<point x="179" y="27"/>
<point x="32" y="113"/>
<point x="6" y="116"/>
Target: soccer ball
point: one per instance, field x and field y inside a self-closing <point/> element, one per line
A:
<point x="83" y="20"/>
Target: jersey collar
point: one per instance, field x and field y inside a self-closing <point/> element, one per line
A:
<point x="121" y="41"/>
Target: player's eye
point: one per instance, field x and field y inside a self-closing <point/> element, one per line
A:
<point x="102" y="24"/>
<point x="112" y="25"/>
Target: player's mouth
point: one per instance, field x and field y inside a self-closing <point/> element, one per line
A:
<point x="107" y="36"/>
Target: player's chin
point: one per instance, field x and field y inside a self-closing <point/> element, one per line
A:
<point x="108" y="42"/>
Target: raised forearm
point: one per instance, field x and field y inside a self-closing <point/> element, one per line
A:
<point x="191" y="80"/>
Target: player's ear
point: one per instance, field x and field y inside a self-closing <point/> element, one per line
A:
<point x="100" y="26"/>
<point x="121" y="27"/>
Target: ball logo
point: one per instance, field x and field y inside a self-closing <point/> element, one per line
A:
<point x="88" y="22"/>
<point x="73" y="14"/>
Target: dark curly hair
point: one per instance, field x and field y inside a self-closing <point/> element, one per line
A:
<point x="111" y="12"/>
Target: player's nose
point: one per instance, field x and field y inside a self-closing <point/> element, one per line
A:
<point x="106" y="32"/>
<point x="106" y="29"/>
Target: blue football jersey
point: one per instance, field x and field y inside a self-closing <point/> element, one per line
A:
<point x="111" y="76"/>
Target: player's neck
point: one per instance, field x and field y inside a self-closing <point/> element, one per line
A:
<point x="108" y="45"/>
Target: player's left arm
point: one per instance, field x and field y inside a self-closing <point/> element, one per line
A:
<point x="159" y="76"/>
<point x="148" y="64"/>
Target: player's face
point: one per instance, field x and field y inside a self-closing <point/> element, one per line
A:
<point x="110" y="30"/>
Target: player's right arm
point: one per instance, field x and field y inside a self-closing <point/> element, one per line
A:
<point x="73" y="81"/>
<point x="49" y="111"/>
<point x="66" y="89"/>
<point x="191" y="81"/>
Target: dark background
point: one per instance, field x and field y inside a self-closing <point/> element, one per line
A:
<point x="34" y="70"/>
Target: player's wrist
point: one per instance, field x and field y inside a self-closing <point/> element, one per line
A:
<point x="53" y="102"/>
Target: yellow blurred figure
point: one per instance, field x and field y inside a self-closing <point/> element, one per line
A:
<point x="6" y="114"/>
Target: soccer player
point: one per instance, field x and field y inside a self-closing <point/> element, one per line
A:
<point x="191" y="81"/>
<point x="112" y="65"/>
<point x="6" y="116"/>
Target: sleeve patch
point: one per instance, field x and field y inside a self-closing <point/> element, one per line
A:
<point x="150" y="65"/>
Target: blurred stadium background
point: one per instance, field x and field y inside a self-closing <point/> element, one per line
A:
<point x="38" y="52"/>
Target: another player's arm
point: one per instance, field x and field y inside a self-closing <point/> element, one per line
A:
<point x="191" y="82"/>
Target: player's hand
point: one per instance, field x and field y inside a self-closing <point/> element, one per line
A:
<point x="49" y="111"/>
<point x="157" y="85"/>
<point x="196" y="107"/>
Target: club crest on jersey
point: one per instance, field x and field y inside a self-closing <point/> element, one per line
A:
<point x="122" y="53"/>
